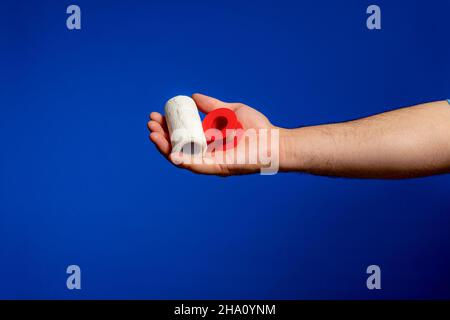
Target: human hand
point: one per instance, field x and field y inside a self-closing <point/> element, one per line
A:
<point x="214" y="163"/>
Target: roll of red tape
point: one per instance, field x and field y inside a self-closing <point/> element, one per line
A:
<point x="226" y="122"/>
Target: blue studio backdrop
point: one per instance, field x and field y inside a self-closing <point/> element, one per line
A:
<point x="81" y="184"/>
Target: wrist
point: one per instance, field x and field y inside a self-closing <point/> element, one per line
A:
<point x="290" y="147"/>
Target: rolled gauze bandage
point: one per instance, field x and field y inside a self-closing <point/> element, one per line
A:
<point x="185" y="126"/>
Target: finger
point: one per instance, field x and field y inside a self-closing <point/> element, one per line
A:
<point x="154" y="126"/>
<point x="201" y="166"/>
<point x="208" y="169"/>
<point x="158" y="117"/>
<point x="161" y="143"/>
<point x="207" y="104"/>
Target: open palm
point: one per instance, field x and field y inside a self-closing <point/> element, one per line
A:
<point x="249" y="118"/>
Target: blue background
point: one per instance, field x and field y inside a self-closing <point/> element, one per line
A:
<point x="81" y="184"/>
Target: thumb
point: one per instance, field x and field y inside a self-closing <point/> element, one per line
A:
<point x="207" y="104"/>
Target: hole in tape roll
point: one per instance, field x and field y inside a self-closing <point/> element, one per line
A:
<point x="220" y="123"/>
<point x="192" y="148"/>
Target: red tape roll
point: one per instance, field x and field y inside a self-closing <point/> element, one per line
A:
<point x="226" y="122"/>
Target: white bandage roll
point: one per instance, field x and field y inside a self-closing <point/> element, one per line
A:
<point x="185" y="126"/>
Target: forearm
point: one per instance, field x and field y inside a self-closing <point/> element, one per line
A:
<point x="404" y="143"/>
